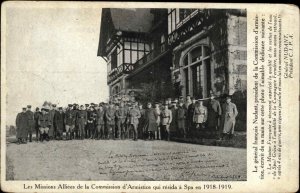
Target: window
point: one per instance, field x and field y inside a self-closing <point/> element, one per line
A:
<point x="197" y="61"/>
<point x="134" y="49"/>
<point x="176" y="17"/>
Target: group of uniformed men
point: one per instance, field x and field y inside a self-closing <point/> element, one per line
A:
<point x="123" y="120"/>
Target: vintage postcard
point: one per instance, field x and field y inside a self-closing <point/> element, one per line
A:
<point x="149" y="97"/>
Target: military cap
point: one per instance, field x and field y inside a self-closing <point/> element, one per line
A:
<point x="70" y="105"/>
<point x="43" y="109"/>
<point x="53" y="105"/>
<point x="92" y="104"/>
<point x="81" y="106"/>
<point x="96" y="105"/>
<point x="87" y="105"/>
<point x="60" y="108"/>
<point x="37" y="108"/>
<point x="24" y="108"/>
<point x="28" y="106"/>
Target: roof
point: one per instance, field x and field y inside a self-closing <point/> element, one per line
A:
<point x="137" y="20"/>
<point x="130" y="20"/>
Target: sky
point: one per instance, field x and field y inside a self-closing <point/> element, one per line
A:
<point x="51" y="55"/>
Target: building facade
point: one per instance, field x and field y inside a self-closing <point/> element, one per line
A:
<point x="174" y="52"/>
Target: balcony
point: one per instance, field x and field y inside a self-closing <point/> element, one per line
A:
<point x="124" y="68"/>
<point x="151" y="56"/>
<point x="127" y="68"/>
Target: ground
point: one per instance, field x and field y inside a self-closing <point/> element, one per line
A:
<point x="124" y="160"/>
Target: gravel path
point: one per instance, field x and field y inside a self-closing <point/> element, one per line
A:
<point x="125" y="160"/>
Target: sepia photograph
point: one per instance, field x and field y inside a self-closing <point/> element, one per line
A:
<point x="125" y="94"/>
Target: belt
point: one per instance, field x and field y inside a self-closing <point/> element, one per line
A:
<point x="167" y="117"/>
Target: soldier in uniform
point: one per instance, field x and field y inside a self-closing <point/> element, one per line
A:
<point x="52" y="126"/>
<point x="70" y="118"/>
<point x="158" y="122"/>
<point x="214" y="114"/>
<point x="134" y="115"/>
<point x="100" y="122"/>
<point x="121" y="115"/>
<point x="81" y="120"/>
<point x="110" y="118"/>
<point x="76" y="128"/>
<point x="59" y="119"/>
<point x="31" y="122"/>
<point x="141" y="126"/>
<point x="166" y="119"/>
<point x="200" y="117"/>
<point x="181" y="117"/>
<point x="150" y="121"/>
<point x="44" y="124"/>
<point x="89" y="112"/>
<point x="37" y="113"/>
<point x="190" y="114"/>
<point x="173" y="125"/>
<point x="229" y="115"/>
<point x="91" y="123"/>
<point x="22" y="126"/>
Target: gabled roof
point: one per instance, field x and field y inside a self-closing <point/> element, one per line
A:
<point x="130" y="20"/>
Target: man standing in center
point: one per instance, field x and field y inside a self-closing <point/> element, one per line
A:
<point x="59" y="118"/>
<point x="70" y="118"/>
<point x="166" y="119"/>
<point x="134" y="115"/>
<point x="150" y="121"/>
<point x="110" y="120"/>
<point x="121" y="114"/>
<point x="81" y="121"/>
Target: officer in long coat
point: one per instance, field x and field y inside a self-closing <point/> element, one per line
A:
<point x="52" y="126"/>
<point x="173" y="125"/>
<point x="190" y="115"/>
<point x="150" y="121"/>
<point x="158" y="121"/>
<point x="44" y="122"/>
<point x="31" y="122"/>
<point x="100" y="122"/>
<point x="181" y="117"/>
<point x="81" y="121"/>
<point x="229" y="114"/>
<point x="70" y="118"/>
<point x="121" y="115"/>
<point x="110" y="118"/>
<point x="22" y="126"/>
<point x="166" y="119"/>
<point x="59" y="119"/>
<point x="134" y="115"/>
<point x="37" y="113"/>
<point x="214" y="114"/>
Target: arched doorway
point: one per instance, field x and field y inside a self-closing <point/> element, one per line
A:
<point x="196" y="71"/>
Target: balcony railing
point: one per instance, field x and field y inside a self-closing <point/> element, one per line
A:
<point x="151" y="55"/>
<point x="126" y="68"/>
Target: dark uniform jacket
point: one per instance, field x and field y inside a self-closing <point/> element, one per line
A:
<point x="30" y="116"/>
<point x="59" y="120"/>
<point x="100" y="117"/>
<point x="70" y="117"/>
<point x="44" y="120"/>
<point x="150" y="120"/>
<point x="22" y="125"/>
<point x="121" y="114"/>
<point x="110" y="116"/>
<point x="81" y="117"/>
